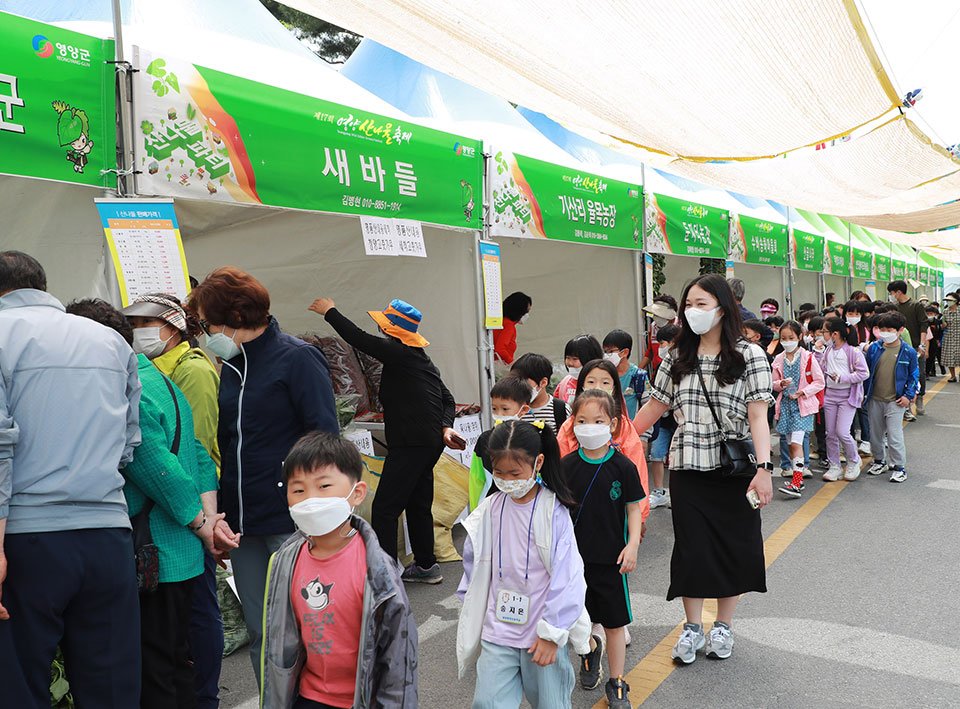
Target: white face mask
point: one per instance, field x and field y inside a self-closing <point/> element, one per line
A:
<point x="790" y="345"/>
<point x="524" y="318"/>
<point x="222" y="346"/>
<point x="516" y="488"/>
<point x="659" y="320"/>
<point x="701" y="321"/>
<point x="853" y="320"/>
<point x="592" y="436"/>
<point x="574" y="372"/>
<point x="664" y="349"/>
<point x="808" y="339"/>
<point x="889" y="337"/>
<point x="612" y="357"/>
<point x="317" y="516"/>
<point x="504" y="419"/>
<point x="146" y="341"/>
<point x="892" y="298"/>
<point x="535" y="394"/>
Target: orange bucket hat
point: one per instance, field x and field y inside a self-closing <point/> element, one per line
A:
<point x="400" y="320"/>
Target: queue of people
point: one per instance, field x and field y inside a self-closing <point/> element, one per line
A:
<point x="129" y="467"/>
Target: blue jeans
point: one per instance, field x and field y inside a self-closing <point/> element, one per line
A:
<point x="785" y="461"/>
<point x="660" y="446"/>
<point x="249" y="563"/>
<point x="506" y="674"/>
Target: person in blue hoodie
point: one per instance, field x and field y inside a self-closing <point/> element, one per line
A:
<point x="893" y="382"/>
<point x="274" y="388"/>
<point x="69" y="420"/>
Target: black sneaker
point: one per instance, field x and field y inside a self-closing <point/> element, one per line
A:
<point x="591" y="669"/>
<point x="417" y="574"/>
<point x="617" y="694"/>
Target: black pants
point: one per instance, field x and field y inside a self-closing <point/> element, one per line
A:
<point x="406" y="483"/>
<point x="164" y="625"/>
<point x="302" y="703"/>
<point x="206" y="635"/>
<point x="77" y="589"/>
<point x="922" y="366"/>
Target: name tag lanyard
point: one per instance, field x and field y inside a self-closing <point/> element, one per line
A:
<point x="583" y="502"/>
<point x="529" y="530"/>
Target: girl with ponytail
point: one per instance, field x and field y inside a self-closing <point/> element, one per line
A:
<point x="845" y="369"/>
<point x="522" y="587"/>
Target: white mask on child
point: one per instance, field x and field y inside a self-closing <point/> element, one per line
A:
<point x="853" y="320"/>
<point x="790" y="345"/>
<point x="664" y="349"/>
<point x="612" y="357"/>
<point x="592" y="436"/>
<point x="317" y="516"/>
<point x="889" y="337"/>
<point x="535" y="394"/>
<point x="504" y="419"/>
<point x="574" y="372"/>
<point x="516" y="488"/>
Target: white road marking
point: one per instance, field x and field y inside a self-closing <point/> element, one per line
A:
<point x="948" y="425"/>
<point x="945" y="484"/>
<point x="852" y="645"/>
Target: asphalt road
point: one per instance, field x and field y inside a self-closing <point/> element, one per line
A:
<point x="857" y="612"/>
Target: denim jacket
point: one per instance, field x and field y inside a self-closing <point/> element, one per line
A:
<point x="907" y="371"/>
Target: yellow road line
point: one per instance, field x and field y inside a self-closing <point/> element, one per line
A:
<point x="657" y="665"/>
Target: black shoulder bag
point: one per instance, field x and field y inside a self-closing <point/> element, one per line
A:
<point x="145" y="552"/>
<point x="737" y="456"/>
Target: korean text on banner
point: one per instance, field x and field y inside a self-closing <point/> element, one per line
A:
<point x="912" y="271"/>
<point x="898" y="269"/>
<point x="923" y="275"/>
<point x="492" y="286"/>
<point x="838" y="258"/>
<point x="540" y="200"/>
<point x="379" y="236"/>
<point x="145" y="245"/>
<point x="862" y="263"/>
<point x="675" y="226"/>
<point x="57" y="105"/>
<point x="207" y="135"/>
<point x="807" y="251"/>
<point x="757" y="241"/>
<point x="882" y="264"/>
<point x="940" y="279"/>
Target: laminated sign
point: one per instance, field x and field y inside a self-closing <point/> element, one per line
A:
<point x="675" y="226"/>
<point x="757" y="241"/>
<point x="882" y="264"/>
<point x="57" y="107"/>
<point x="838" y="258"/>
<point x="207" y="135"/>
<point x="862" y="263"/>
<point x="807" y="251"/>
<point x="540" y="200"/>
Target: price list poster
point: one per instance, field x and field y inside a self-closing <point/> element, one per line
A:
<point x="146" y="248"/>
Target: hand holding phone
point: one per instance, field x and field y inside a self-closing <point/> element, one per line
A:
<point x="753" y="498"/>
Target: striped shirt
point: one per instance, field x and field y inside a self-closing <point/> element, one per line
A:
<point x="696" y="443"/>
<point x="546" y="413"/>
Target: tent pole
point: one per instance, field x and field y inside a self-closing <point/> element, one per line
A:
<point x="788" y="275"/>
<point x="640" y="266"/>
<point x="125" y="180"/>
<point x="849" y="260"/>
<point x="484" y="336"/>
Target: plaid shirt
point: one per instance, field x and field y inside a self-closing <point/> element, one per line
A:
<point x="174" y="483"/>
<point x="696" y="443"/>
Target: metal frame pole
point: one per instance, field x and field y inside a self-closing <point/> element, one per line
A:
<point x="788" y="274"/>
<point x="126" y="184"/>
<point x="849" y="260"/>
<point x="484" y="336"/>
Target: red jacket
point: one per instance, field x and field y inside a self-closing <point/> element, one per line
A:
<point x="505" y="341"/>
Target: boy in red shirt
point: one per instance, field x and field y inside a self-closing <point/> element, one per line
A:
<point x="333" y="595"/>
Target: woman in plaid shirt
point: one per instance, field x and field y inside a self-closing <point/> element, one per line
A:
<point x="718" y="544"/>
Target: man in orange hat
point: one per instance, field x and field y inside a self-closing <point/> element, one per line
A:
<point x="418" y="412"/>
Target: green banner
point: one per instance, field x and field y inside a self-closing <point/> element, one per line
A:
<point x="923" y="274"/>
<point x="940" y="279"/>
<point x="203" y="134"/>
<point x="676" y="226"/>
<point x="807" y="251"/>
<point x="898" y="269"/>
<point x="758" y="241"/>
<point x="862" y="263"/>
<point x="839" y="258"/>
<point x="912" y="271"/>
<point x="57" y="106"/>
<point x="537" y="199"/>
<point x="883" y="267"/>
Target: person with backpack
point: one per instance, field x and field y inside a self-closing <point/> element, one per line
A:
<point x="617" y="348"/>
<point x="537" y="370"/>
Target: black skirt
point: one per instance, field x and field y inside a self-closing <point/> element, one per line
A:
<point x="718" y="542"/>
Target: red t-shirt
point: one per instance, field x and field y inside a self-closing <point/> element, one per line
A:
<point x="505" y="341"/>
<point x="327" y="598"/>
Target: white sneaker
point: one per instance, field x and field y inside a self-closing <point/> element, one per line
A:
<point x="833" y="473"/>
<point x="626" y="636"/>
<point x="851" y="472"/>
<point x="659" y="497"/>
<point x="865" y="448"/>
<point x="878" y="468"/>
<point x="807" y="473"/>
<point x="786" y="473"/>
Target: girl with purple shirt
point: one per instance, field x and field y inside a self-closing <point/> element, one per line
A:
<point x="522" y="587"/>
<point x="845" y="370"/>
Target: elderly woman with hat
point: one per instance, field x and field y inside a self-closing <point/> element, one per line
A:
<point x="161" y="331"/>
<point x="418" y="413"/>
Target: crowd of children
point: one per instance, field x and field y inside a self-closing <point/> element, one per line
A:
<point x="559" y="495"/>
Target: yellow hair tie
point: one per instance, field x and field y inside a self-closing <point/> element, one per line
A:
<point x="538" y="424"/>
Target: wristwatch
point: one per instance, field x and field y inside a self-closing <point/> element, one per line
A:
<point x="768" y="466"/>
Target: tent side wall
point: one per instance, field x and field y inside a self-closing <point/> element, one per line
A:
<point x="301" y="256"/>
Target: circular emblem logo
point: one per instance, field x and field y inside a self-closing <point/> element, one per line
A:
<point x="42" y="46"/>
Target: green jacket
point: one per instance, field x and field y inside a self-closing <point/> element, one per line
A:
<point x="194" y="374"/>
<point x="174" y="483"/>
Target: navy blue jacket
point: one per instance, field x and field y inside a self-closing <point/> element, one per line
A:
<point x="271" y="394"/>
<point x="907" y="371"/>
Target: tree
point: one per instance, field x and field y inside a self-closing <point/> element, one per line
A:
<point x="331" y="43"/>
<point x="713" y="265"/>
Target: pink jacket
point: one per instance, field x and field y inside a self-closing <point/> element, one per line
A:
<point x="812" y="385"/>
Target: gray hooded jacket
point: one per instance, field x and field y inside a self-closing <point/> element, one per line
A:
<point x="387" y="660"/>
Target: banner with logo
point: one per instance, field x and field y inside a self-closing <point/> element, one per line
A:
<point x="912" y="271"/>
<point x="541" y="200"/>
<point x="203" y="134"/>
<point x="57" y="106"/>
<point x="807" y="251"/>
<point x="898" y="270"/>
<point x="838" y="258"/>
<point x="862" y="263"/>
<point x="882" y="264"/>
<point x="757" y="241"/>
<point x="923" y="274"/>
<point x="940" y="279"/>
<point x="676" y="226"/>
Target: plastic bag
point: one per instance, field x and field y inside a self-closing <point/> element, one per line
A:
<point x="372" y="372"/>
<point x="235" y="634"/>
<point x="450" y="497"/>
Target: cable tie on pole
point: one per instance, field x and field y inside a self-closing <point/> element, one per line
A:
<point x="122" y="65"/>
